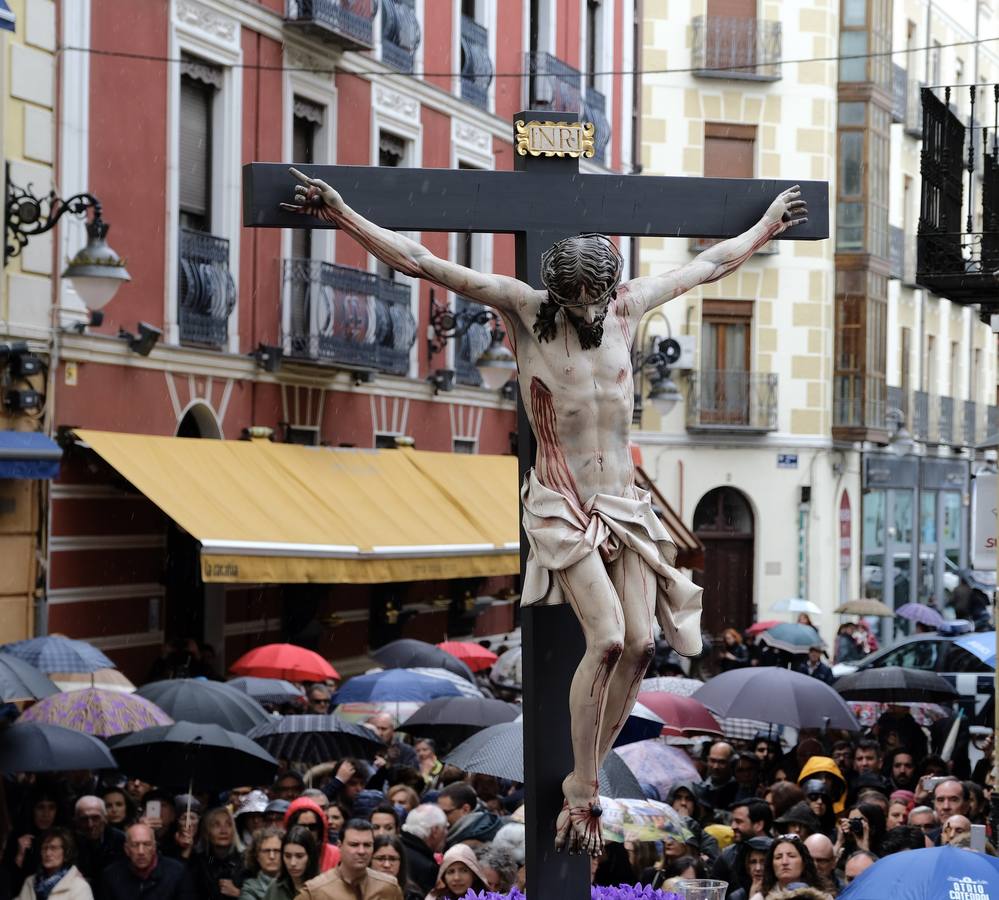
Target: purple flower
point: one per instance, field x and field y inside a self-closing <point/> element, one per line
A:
<point x="621" y="892"/>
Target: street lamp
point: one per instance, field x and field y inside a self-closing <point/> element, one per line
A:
<point x="901" y="442"/>
<point x="496" y="364"/>
<point x="661" y="355"/>
<point x="96" y="271"/>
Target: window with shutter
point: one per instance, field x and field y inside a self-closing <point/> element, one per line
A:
<point x="195" y="153"/>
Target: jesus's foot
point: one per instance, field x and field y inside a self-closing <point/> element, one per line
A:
<point x="578" y="825"/>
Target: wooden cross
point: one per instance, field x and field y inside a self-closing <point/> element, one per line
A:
<point x="544" y="200"/>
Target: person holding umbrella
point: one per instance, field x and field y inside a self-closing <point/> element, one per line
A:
<point x="299" y="863"/>
<point x="56" y="872"/>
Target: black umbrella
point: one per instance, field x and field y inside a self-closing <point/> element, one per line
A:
<point x="772" y="694"/>
<point x="408" y="653"/>
<point x="206" y="702"/>
<point x="315" y="739"/>
<point x="38" y="747"/>
<point x="454" y="719"/>
<point x="267" y="690"/>
<point x="185" y="754"/>
<point x="893" y="684"/>
<point x="21" y="681"/>
<point x="499" y="751"/>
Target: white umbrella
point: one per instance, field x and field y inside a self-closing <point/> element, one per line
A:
<point x="797" y="605"/>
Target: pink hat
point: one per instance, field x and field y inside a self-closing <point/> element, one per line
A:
<point x="900" y="796"/>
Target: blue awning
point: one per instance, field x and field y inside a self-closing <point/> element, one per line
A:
<point x="28" y="454"/>
<point x="6" y="16"/>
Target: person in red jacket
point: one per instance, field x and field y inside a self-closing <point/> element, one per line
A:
<point x="309" y="814"/>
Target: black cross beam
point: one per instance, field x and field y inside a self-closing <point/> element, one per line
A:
<point x="545" y="199"/>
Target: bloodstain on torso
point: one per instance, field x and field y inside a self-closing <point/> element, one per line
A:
<point x="552" y="465"/>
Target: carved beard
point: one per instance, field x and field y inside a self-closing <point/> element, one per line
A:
<point x="590" y="334"/>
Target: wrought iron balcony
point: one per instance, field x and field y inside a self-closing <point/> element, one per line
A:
<point x="401" y="34"/>
<point x="470" y="345"/>
<point x="347" y="317"/>
<point x="944" y="431"/>
<point x="954" y="259"/>
<point x="969" y="423"/>
<point x="732" y="400"/>
<point x="914" y="108"/>
<point x="552" y="84"/>
<point x="899" y="93"/>
<point x="991" y="420"/>
<point x="346" y="23"/>
<point x="595" y="111"/>
<point x="207" y="292"/>
<point x="921" y="416"/>
<point x="898" y="398"/>
<point x="896" y="244"/>
<point x="727" y="47"/>
<point x="476" y="66"/>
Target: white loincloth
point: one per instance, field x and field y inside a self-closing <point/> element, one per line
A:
<point x="561" y="533"/>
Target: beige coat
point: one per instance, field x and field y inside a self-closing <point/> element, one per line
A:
<point x="73" y="886"/>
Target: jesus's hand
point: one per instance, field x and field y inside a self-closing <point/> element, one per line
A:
<point x="787" y="210"/>
<point x="313" y="195"/>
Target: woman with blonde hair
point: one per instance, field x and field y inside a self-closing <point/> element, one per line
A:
<point x="217" y="865"/>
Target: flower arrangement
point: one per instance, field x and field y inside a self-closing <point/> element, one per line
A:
<point x="597" y="892"/>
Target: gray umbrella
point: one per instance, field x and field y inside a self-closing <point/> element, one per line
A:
<point x="39" y="747"/>
<point x="206" y="703"/>
<point x="21" y="681"/>
<point x="777" y="695"/>
<point x="893" y="684"/>
<point x="499" y="751"/>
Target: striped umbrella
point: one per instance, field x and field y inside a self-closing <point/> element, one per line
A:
<point x="97" y="712"/>
<point x="59" y="654"/>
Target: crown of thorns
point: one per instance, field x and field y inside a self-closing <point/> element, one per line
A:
<point x="550" y="272"/>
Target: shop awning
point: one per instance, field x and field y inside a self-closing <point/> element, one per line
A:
<point x="28" y="454"/>
<point x="689" y="548"/>
<point x="283" y="513"/>
<point x="7" y="20"/>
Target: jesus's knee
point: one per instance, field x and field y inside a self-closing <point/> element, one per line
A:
<point x="640" y="651"/>
<point x="608" y="650"/>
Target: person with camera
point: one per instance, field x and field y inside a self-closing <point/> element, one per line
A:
<point x="862" y="829"/>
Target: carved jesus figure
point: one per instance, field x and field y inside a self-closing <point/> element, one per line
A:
<point x="595" y="541"/>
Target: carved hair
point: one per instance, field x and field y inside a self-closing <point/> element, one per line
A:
<point x="590" y="262"/>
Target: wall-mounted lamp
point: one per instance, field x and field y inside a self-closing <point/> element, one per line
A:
<point x="656" y="361"/>
<point x="268" y="357"/>
<point x="143" y="342"/>
<point x="901" y="443"/>
<point x="96" y="271"/>
<point x="496" y="363"/>
<point x="442" y="380"/>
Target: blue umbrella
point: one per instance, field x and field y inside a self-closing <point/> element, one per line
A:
<point x="792" y="637"/>
<point x="928" y="874"/>
<point x="981" y="644"/>
<point x="395" y="685"/>
<point x="39" y="747"/>
<point x="59" y="654"/>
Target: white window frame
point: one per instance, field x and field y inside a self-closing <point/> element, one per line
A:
<point x="220" y="47"/>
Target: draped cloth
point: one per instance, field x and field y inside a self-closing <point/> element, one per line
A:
<point x="561" y="531"/>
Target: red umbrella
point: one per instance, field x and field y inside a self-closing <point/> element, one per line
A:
<point x="475" y="656"/>
<point x="760" y="627"/>
<point x="284" y="661"/>
<point x="684" y="716"/>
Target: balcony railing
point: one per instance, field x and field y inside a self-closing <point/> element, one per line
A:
<point x="899" y="93"/>
<point x="727" y="47"/>
<point x="898" y="398"/>
<point x="991" y="421"/>
<point x="732" y="400"/>
<point x="945" y="420"/>
<point x="969" y="423"/>
<point x="470" y="346"/>
<point x="347" y="317"/>
<point x="401" y="34"/>
<point x="347" y="23"/>
<point x="921" y="415"/>
<point x="914" y="109"/>
<point x="896" y="245"/>
<point x="476" y="66"/>
<point x="595" y="111"/>
<point x="552" y="84"/>
<point x="207" y="292"/>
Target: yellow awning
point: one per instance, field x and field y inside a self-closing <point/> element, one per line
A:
<point x="283" y="513"/>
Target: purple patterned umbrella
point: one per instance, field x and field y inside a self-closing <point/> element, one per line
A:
<point x="97" y="712"/>
<point x="920" y="612"/>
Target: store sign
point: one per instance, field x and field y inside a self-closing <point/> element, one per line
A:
<point x="983" y="521"/>
<point x="887" y="471"/>
<point x="845" y="526"/>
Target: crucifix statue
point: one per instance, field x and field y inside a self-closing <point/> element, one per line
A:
<point x="595" y="544"/>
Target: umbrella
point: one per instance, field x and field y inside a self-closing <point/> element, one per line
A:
<point x="38" y="747"/>
<point x="865" y="606"/>
<point x="797" y="605"/>
<point x="205" y="702"/>
<point x="314" y="739"/>
<point x="105" y="679"/>
<point x="792" y="637"/>
<point x="59" y="654"/>
<point x="395" y="684"/>
<point x="641" y="820"/>
<point x="657" y="763"/>
<point x="475" y="656"/>
<point x="465" y="688"/>
<point x="286" y="661"/>
<point x="777" y="695"/>
<point x="920" y="612"/>
<point x="267" y="690"/>
<point x="868" y="713"/>
<point x="740" y="729"/>
<point x="683" y="716"/>
<point x="508" y="670"/>
<point x="499" y="751"/>
<point x="408" y="653"/>
<point x="20" y="682"/>
<point x="981" y="644"/>
<point x="682" y="687"/>
<point x="97" y="712"/>
<point x="641" y="725"/>
<point x="760" y="627"/>
<point x="928" y="874"/>
<point x="893" y="684"/>
<point x="186" y="754"/>
<point x="453" y="719"/>
<point x="361" y="712"/>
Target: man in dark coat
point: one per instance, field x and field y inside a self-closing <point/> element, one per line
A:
<point x="423" y="835"/>
<point x="143" y="874"/>
<point x="97" y="843"/>
<point x="814" y="666"/>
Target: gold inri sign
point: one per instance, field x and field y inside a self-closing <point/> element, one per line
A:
<point x="555" y="138"/>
